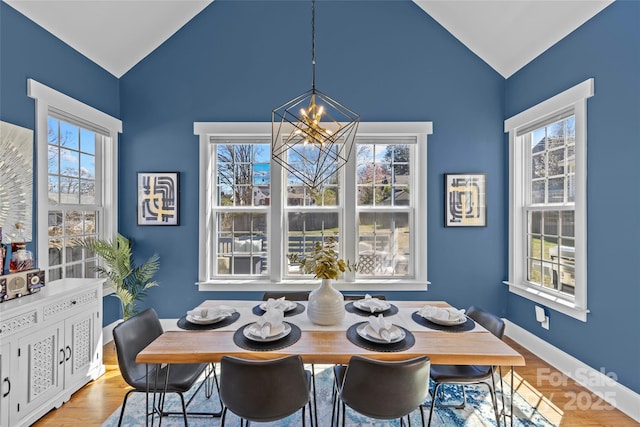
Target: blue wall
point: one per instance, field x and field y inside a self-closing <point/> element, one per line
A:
<point x="389" y="61"/>
<point x="606" y="48"/>
<point x="29" y="51"/>
<point x="236" y="61"/>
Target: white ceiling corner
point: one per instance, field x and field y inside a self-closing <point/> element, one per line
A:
<point x="117" y="34"/>
<point x="508" y="34"/>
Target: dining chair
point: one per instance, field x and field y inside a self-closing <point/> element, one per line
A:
<point x="289" y="295"/>
<point x="264" y="390"/>
<point x="297" y="296"/>
<point x="470" y="374"/>
<point x="131" y="337"/>
<point x="356" y="297"/>
<point x="381" y="389"/>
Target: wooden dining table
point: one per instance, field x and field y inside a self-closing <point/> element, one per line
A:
<point x="330" y="344"/>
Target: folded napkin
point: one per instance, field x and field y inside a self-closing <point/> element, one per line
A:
<point x="373" y="304"/>
<point x="270" y="321"/>
<point x="440" y="313"/>
<point x="381" y="326"/>
<point x="212" y="312"/>
<point x="280" y="304"/>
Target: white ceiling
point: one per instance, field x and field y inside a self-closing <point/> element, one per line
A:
<point x="117" y="34"/>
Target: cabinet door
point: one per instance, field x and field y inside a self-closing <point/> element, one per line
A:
<point x="5" y="383"/>
<point x="40" y="362"/>
<point x="79" y="348"/>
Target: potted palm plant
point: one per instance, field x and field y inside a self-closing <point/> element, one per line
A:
<point x="129" y="281"/>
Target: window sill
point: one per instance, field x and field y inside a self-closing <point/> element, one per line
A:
<point x="548" y="300"/>
<point x="260" y="285"/>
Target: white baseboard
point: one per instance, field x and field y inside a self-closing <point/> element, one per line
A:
<point x="107" y="332"/>
<point x="600" y="382"/>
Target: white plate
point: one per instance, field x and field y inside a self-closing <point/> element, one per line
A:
<point x="368" y="333"/>
<point x="443" y="322"/>
<point x="361" y="305"/>
<point x="252" y="332"/>
<point x="290" y="306"/>
<point x="204" y="320"/>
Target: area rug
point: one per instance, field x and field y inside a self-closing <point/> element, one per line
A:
<point x="477" y="413"/>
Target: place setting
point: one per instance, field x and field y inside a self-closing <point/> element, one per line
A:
<point x="202" y="319"/>
<point x="447" y="319"/>
<point x="269" y="332"/>
<point x="370" y="305"/>
<point x="289" y="308"/>
<point x="380" y="334"/>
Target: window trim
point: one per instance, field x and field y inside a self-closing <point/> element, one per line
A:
<point x="46" y="100"/>
<point x="574" y="98"/>
<point x="204" y="130"/>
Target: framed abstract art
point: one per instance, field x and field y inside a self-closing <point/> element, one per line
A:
<point x="158" y="198"/>
<point x="465" y="202"/>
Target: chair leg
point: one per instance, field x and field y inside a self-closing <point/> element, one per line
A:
<point x="124" y="404"/>
<point x="422" y="414"/>
<point x="184" y="410"/>
<point x="494" y="398"/>
<point x="433" y="402"/>
<point x="304" y="423"/>
<point x="315" y="399"/>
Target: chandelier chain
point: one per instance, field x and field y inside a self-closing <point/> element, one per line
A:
<point x="313" y="45"/>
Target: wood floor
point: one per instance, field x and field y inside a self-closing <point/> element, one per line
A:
<point x="567" y="404"/>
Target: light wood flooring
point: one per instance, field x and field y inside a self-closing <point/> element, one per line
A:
<point x="567" y="404"/>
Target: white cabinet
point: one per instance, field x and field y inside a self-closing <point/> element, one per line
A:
<point x="5" y="387"/>
<point x="51" y="347"/>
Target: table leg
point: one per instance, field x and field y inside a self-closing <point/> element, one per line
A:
<point x="146" y="405"/>
<point x="511" y="402"/>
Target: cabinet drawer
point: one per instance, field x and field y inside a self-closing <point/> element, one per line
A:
<point x="81" y="299"/>
<point x="18" y="323"/>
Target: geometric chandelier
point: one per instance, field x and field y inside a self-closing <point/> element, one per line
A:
<point x="312" y="134"/>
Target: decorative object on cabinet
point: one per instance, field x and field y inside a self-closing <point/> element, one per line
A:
<point x="16" y="285"/>
<point x="158" y="198"/>
<point x="129" y="281"/>
<point x="50" y="347"/>
<point x="312" y="134"/>
<point x="16" y="179"/>
<point x="465" y="200"/>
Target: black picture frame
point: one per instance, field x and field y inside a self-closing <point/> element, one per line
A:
<point x="158" y="198"/>
<point x="465" y="200"/>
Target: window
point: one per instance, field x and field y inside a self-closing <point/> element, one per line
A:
<point x="548" y="150"/>
<point x="76" y="167"/>
<point x="255" y="212"/>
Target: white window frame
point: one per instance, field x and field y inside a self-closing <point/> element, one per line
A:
<point x="574" y="99"/>
<point x="275" y="280"/>
<point x="46" y="100"/>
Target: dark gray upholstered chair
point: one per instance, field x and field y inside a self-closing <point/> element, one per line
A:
<point x="131" y="337"/>
<point x="470" y="374"/>
<point x="289" y="295"/>
<point x="264" y="390"/>
<point x="356" y="297"/>
<point x="381" y="389"/>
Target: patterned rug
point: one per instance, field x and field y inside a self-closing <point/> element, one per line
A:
<point x="477" y="413"/>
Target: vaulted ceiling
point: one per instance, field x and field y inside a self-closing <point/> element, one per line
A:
<point x="117" y="34"/>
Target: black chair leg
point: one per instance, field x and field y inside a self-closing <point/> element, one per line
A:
<point x="433" y="402"/>
<point x="494" y="398"/>
<point x="184" y="410"/>
<point x="124" y="405"/>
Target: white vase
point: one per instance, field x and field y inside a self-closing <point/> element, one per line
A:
<point x="326" y="305"/>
